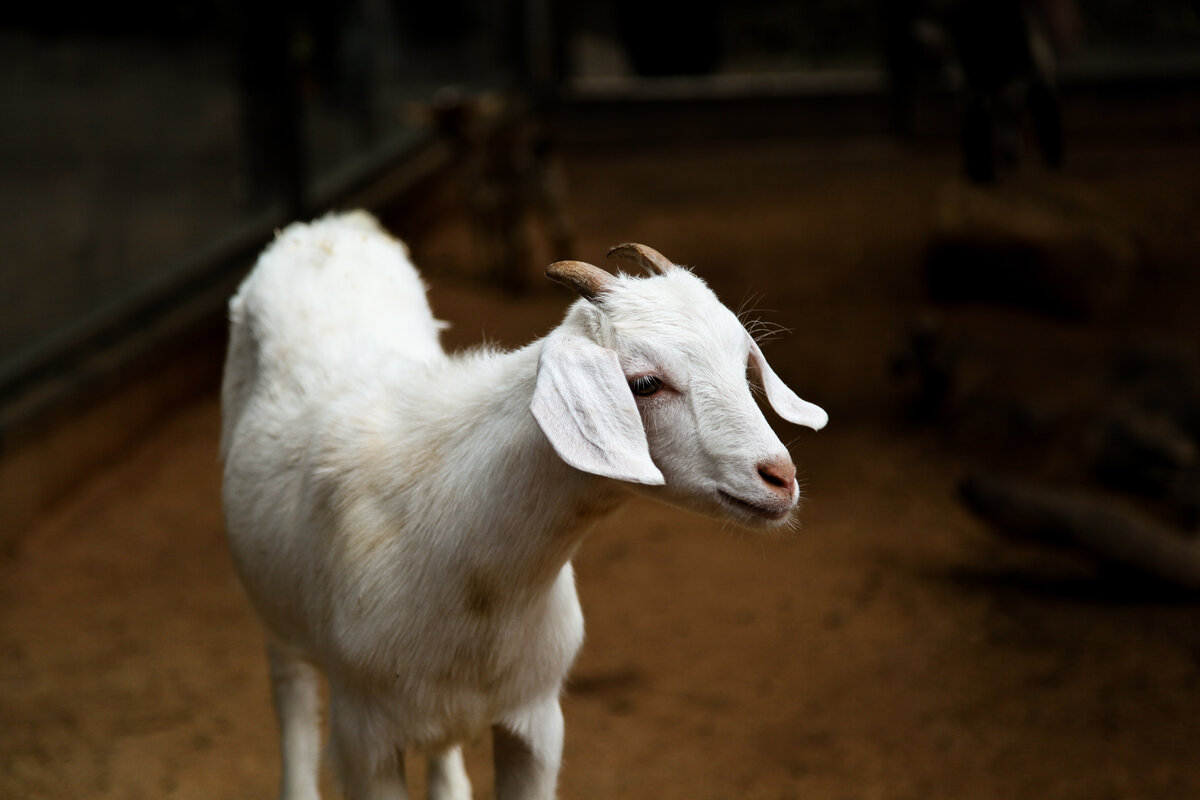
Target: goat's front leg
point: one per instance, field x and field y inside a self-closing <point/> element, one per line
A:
<point x="368" y="768"/>
<point x="295" y="686"/>
<point x="527" y="751"/>
<point x="447" y="777"/>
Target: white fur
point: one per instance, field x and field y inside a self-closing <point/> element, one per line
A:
<point x="404" y="524"/>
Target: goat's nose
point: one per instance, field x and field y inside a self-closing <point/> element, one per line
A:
<point x="779" y="474"/>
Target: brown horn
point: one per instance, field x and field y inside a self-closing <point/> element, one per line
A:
<point x="647" y="258"/>
<point x="587" y="279"/>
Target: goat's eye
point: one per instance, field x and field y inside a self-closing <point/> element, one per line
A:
<point x="645" y="385"/>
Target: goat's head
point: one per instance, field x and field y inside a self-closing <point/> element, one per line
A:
<point x="649" y="382"/>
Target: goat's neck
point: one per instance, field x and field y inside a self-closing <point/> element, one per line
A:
<point x="534" y="508"/>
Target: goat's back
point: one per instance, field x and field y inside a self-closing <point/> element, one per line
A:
<point x="327" y="305"/>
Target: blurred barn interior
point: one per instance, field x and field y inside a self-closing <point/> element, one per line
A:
<point x="973" y="226"/>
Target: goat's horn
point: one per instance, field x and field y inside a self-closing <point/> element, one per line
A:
<point x="587" y="279"/>
<point x="647" y="258"/>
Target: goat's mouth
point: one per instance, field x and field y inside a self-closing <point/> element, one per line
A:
<point x="773" y="513"/>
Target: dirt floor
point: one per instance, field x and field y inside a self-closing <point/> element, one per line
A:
<point x="890" y="648"/>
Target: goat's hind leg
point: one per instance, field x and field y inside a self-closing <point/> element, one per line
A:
<point x="296" y="688"/>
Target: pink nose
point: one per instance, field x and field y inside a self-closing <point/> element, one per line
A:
<point x="779" y="474"/>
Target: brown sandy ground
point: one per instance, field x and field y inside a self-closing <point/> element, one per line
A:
<point x="890" y="648"/>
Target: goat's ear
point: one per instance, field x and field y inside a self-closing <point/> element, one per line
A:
<point x="584" y="407"/>
<point x="782" y="399"/>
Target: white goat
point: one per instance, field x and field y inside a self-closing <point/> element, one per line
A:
<point x="404" y="524"/>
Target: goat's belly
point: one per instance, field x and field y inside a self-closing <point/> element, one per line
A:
<point x="430" y="712"/>
<point x="455" y="688"/>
